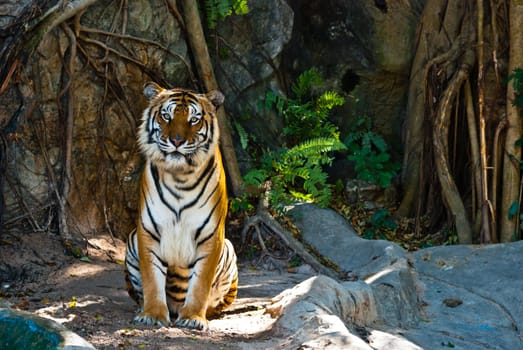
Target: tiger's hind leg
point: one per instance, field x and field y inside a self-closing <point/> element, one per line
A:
<point x="228" y="299"/>
<point x="133" y="277"/>
<point x="225" y="285"/>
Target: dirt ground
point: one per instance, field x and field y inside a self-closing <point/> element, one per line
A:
<point x="88" y="296"/>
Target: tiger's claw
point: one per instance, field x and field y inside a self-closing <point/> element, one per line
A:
<point x="194" y="323"/>
<point x="151" y="320"/>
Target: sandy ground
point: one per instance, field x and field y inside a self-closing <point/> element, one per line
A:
<point x="88" y="296"/>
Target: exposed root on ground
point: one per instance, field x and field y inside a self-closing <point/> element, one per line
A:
<point x="264" y="224"/>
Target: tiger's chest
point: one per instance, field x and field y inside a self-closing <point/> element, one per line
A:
<point x="178" y="245"/>
<point x="182" y="215"/>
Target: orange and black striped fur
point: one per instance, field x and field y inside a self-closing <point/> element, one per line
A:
<point x="178" y="262"/>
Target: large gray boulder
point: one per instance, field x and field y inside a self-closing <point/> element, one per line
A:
<point x="462" y="297"/>
<point x="472" y="297"/>
<point x="383" y="265"/>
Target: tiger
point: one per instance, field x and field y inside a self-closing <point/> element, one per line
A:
<point x="180" y="267"/>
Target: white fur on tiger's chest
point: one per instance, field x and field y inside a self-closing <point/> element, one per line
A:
<point x="177" y="240"/>
<point x="179" y="214"/>
<point x="177" y="244"/>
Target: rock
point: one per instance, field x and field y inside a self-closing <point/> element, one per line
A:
<point x="320" y="313"/>
<point x="251" y="46"/>
<point x="472" y="296"/>
<point x="461" y="297"/>
<point x="247" y="58"/>
<point x="364" y="49"/>
<point x="313" y="314"/>
<point x="381" y="264"/>
<point x="22" y="330"/>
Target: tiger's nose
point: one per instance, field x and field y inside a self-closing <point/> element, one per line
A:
<point x="177" y="140"/>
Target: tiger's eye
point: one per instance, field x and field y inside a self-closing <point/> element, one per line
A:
<point x="194" y="120"/>
<point x="166" y="116"/>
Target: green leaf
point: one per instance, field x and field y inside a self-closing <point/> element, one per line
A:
<point x="218" y="10"/>
<point x="241" y="7"/>
<point x="244" y="137"/>
<point x="255" y="177"/>
<point x="305" y="81"/>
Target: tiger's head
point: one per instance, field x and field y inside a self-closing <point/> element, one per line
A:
<point x="179" y="127"/>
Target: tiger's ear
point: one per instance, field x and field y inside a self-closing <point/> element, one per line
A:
<point x="216" y="97"/>
<point x="151" y="90"/>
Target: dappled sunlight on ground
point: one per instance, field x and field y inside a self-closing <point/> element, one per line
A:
<point x="88" y="296"/>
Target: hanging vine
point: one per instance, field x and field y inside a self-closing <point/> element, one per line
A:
<point x="444" y="89"/>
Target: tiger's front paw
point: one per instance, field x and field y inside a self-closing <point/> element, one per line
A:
<point x="153" y="319"/>
<point x="195" y="322"/>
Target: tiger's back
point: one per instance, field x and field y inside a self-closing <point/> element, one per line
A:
<point x="178" y="260"/>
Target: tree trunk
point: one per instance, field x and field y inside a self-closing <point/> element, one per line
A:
<point x="512" y="153"/>
<point x="437" y="43"/>
<point x="199" y="49"/>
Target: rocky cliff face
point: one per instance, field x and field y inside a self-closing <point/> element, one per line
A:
<point x="362" y="48"/>
<point x="118" y="50"/>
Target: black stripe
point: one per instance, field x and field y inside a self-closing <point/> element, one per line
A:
<point x="158" y="185"/>
<point x="164" y="264"/>
<point x="200" y="194"/>
<point x="210" y="194"/>
<point x="148" y="125"/>
<point x="205" y="239"/>
<point x="177" y="289"/>
<point x="131" y="264"/>
<point x="191" y="265"/>
<point x="177" y="276"/>
<point x="159" y="268"/>
<point x="155" y="225"/>
<point x="227" y="262"/>
<point x="155" y="235"/>
<point x="131" y="246"/>
<point x="172" y="191"/>
<point x="135" y="279"/>
<point x="191" y="99"/>
<point x="206" y="221"/>
<point x="178" y="300"/>
<point x="208" y="168"/>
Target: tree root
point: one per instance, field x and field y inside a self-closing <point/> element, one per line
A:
<point x="263" y="220"/>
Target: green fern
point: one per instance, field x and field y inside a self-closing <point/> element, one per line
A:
<point x="244" y="136"/>
<point x="327" y="101"/>
<point x="368" y="151"/>
<point x="305" y="81"/>
<point x="306" y="117"/>
<point x="295" y="171"/>
<point x="315" y="149"/>
<point x="256" y="177"/>
<point x="218" y="10"/>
